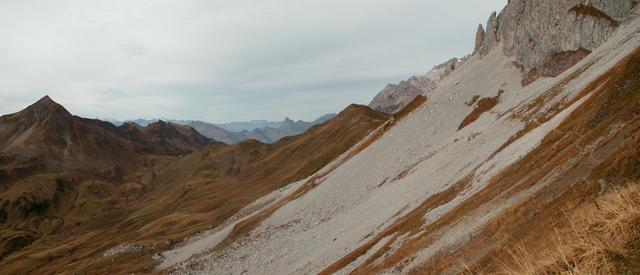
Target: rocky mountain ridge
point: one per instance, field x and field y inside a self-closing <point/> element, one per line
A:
<point x="234" y="132"/>
<point x="47" y="131"/>
<point x="394" y="97"/>
<point x="547" y="37"/>
<point x="267" y="134"/>
<point x="58" y="170"/>
<point x="544" y="38"/>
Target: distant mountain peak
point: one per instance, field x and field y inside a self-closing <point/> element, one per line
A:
<point x="266" y="134"/>
<point x="395" y="96"/>
<point x="45" y="100"/>
<point x="46" y="103"/>
<point x="39" y="112"/>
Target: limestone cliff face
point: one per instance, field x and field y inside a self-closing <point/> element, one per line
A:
<point x="545" y="37"/>
<point x="533" y="31"/>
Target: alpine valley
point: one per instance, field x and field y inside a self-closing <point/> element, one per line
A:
<point x="522" y="157"/>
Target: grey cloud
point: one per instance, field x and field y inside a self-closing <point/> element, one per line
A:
<point x="223" y="60"/>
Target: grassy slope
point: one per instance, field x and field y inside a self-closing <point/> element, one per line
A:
<point x="599" y="237"/>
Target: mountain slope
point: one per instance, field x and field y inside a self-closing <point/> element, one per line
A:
<point x="59" y="172"/>
<point x="218" y="180"/>
<point x="180" y="138"/>
<point x="48" y="130"/>
<point x="215" y="132"/>
<point x="67" y="219"/>
<point x="433" y="194"/>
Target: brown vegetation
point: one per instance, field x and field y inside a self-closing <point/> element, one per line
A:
<point x="483" y="105"/>
<point x="64" y="219"/>
<point x="602" y="237"/>
<point x="473" y="100"/>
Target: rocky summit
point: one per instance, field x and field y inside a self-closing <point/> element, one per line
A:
<point x="394" y="97"/>
<point x="547" y="37"/>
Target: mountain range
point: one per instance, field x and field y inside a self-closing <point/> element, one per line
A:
<point x="520" y="158"/>
<point x="266" y="134"/>
<point x="234" y="132"/>
<point x="75" y="185"/>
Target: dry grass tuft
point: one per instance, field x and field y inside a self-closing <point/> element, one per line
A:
<point x="602" y="237"/>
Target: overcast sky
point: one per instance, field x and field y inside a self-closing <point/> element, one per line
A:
<point x="223" y="60"/>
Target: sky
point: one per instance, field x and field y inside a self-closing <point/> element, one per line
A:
<point x="223" y="60"/>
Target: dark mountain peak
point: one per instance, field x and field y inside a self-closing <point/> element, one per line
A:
<point x="43" y="110"/>
<point x="131" y="128"/>
<point x="160" y="125"/>
<point x="180" y="139"/>
<point x="46" y="100"/>
<point x="130" y="124"/>
<point x="46" y="106"/>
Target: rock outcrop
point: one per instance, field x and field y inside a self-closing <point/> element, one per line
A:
<point x="395" y="96"/>
<point x="551" y="35"/>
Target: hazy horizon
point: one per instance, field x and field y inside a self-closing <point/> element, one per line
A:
<point x="223" y="61"/>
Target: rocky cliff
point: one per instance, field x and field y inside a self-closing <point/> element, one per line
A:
<point x="394" y="97"/>
<point x="548" y="37"/>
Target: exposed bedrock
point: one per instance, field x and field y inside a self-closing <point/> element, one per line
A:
<point x="535" y="32"/>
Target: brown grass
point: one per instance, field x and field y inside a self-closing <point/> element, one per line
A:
<point x="473" y="100"/>
<point x="414" y="104"/>
<point x="483" y="105"/>
<point x="601" y="237"/>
